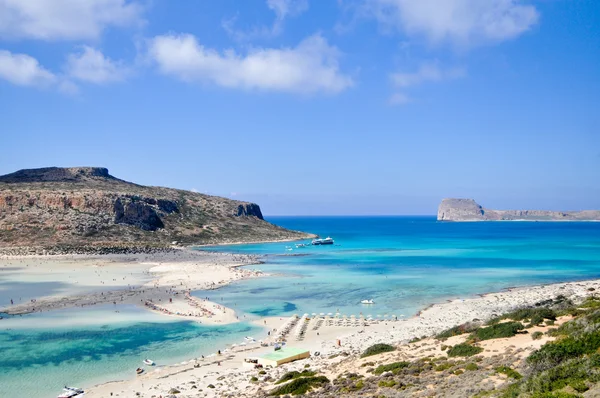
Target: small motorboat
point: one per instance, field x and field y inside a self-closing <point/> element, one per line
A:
<point x="68" y="394"/>
<point x="76" y="389"/>
<point x="139" y="371"/>
<point x="148" y="362"/>
<point x="367" y="301"/>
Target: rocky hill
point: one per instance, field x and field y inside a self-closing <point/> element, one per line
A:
<point x="469" y="210"/>
<point x="54" y="206"/>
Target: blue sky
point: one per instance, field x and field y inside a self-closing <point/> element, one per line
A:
<point x="312" y="107"/>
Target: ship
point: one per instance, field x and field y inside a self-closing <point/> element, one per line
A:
<point x="326" y="241"/>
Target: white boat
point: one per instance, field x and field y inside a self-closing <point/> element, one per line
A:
<point x="68" y="394"/>
<point x="148" y="362"/>
<point x="326" y="241"/>
<point x="76" y="389"/>
<point x="367" y="301"/>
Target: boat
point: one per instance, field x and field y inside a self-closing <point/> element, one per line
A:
<point x="326" y="241"/>
<point x="367" y="301"/>
<point x="68" y="394"/>
<point x="299" y="245"/>
<point x="75" y="389"/>
<point x="148" y="362"/>
<point x="139" y="371"/>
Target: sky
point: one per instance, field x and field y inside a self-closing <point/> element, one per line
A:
<point x="328" y="107"/>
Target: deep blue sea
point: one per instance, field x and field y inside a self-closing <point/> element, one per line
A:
<point x="403" y="263"/>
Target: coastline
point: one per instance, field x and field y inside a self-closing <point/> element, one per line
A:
<point x="353" y="339"/>
<point x="159" y="282"/>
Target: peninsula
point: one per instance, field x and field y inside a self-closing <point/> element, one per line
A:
<point x="469" y="210"/>
<point x="86" y="208"/>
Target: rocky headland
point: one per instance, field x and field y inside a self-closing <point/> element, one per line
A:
<point x="55" y="209"/>
<point x="469" y="210"/>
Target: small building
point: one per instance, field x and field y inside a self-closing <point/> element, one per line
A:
<point x="283" y="355"/>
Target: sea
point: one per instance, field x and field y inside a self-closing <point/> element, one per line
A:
<point x="403" y="264"/>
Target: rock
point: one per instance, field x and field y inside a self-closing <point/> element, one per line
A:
<point x="174" y="391"/>
<point x="469" y="210"/>
<point x="78" y="206"/>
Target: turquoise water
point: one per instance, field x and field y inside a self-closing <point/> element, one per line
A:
<point x="41" y="353"/>
<point x="407" y="263"/>
<point x="403" y="263"/>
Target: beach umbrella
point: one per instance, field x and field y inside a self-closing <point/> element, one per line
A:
<point x="330" y="313"/>
<point x="244" y="343"/>
<point x="322" y="314"/>
<point x="369" y="316"/>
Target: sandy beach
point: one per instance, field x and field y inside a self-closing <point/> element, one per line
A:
<point x="159" y="282"/>
<point x="338" y="343"/>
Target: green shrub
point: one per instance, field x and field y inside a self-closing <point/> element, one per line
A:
<point x="391" y="367"/>
<point x="294" y="375"/>
<point x="553" y="353"/>
<point x="300" y="386"/>
<point x="388" y="383"/>
<point x="444" y="366"/>
<point x="458" y="330"/>
<point x="377" y="349"/>
<point x="500" y="330"/>
<point x="549" y="322"/>
<point x="537" y="335"/>
<point x="458" y="372"/>
<point x="464" y="350"/>
<point x="509" y="372"/>
<point x="471" y="366"/>
<point x="254" y="379"/>
<point x="262" y="372"/>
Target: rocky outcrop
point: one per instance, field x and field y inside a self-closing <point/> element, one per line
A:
<point x="469" y="210"/>
<point x="86" y="205"/>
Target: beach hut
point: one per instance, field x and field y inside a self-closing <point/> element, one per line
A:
<point x="283" y="355"/>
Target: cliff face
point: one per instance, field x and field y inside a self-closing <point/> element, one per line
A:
<point x="86" y="205"/>
<point x="469" y="210"/>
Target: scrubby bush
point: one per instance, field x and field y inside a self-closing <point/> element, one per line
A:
<point x="500" y="330"/>
<point x="294" y="375"/>
<point x="391" y="367"/>
<point x="458" y="330"/>
<point x="377" y="349"/>
<point x="300" y="386"/>
<point x="387" y="383"/>
<point x="551" y="354"/>
<point x="471" y="366"/>
<point x="509" y="372"/>
<point x="537" y="335"/>
<point x="464" y="350"/>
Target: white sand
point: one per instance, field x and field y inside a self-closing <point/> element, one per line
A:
<point x="156" y="281"/>
<point x="231" y="378"/>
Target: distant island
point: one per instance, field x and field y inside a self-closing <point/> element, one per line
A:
<point x="469" y="210"/>
<point x="86" y="206"/>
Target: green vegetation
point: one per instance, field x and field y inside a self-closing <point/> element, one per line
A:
<point x="389" y="383"/>
<point x="471" y="366"/>
<point x="537" y="335"/>
<point x="444" y="366"/>
<point x="377" y="349"/>
<point x="496" y="331"/>
<point x="464" y="350"/>
<point x="300" y="386"/>
<point x="458" y="330"/>
<point x="392" y="367"/>
<point x="294" y="375"/>
<point x="509" y="372"/>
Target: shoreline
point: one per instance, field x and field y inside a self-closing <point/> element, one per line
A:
<point x="158" y="282"/>
<point x="353" y="340"/>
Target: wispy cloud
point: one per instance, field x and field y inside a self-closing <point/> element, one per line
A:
<point x="282" y="9"/>
<point x="24" y="70"/>
<point x="65" y="19"/>
<point x="461" y="22"/>
<point x="90" y="65"/>
<point x="311" y="66"/>
<point x="427" y="72"/>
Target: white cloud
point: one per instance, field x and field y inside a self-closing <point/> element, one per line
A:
<point x="426" y="73"/>
<point x="399" y="99"/>
<point x="281" y="8"/>
<point x="461" y="22"/>
<point x="65" y="19"/>
<point x="24" y="70"/>
<point x="310" y="67"/>
<point x="92" y="66"/>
